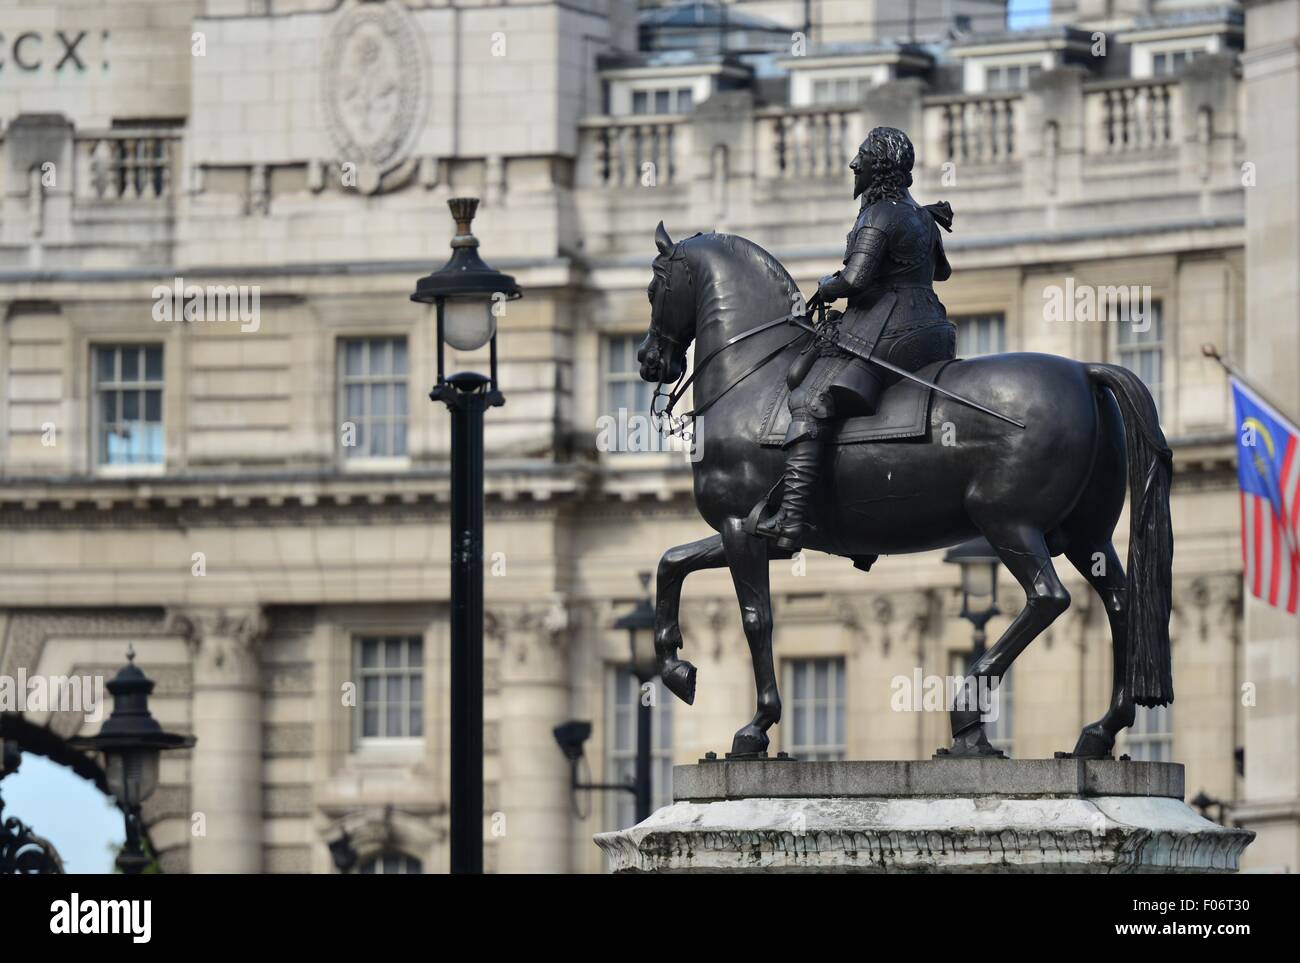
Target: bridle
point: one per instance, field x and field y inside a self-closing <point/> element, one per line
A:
<point x="663" y="418"/>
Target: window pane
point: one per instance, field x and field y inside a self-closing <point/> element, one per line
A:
<point x="370" y="723"/>
<point x="380" y="360"/>
<point x="130" y="363"/>
<point x="399" y="356"/>
<point x="639" y="102"/>
<point x="130" y="406"/>
<point x="661" y="101"/>
<point x="106" y="359"/>
<point x="379" y="400"/>
<point x="417" y="722"/>
<point x="353" y="352"/>
<point x="685" y="100"/>
<point x="153" y="364"/>
<point x="153" y="405"/>
<point x="355" y="402"/>
<point x="370" y="652"/>
<point x="393" y="653"/>
<point x="108" y="407"/>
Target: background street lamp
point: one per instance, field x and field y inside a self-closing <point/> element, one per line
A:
<point x="979" y="585"/>
<point x="640" y="626"/>
<point x="570" y="736"/>
<point x="465" y="293"/>
<point x="130" y="741"/>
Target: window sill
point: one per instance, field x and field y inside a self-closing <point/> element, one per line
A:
<point x="131" y="471"/>
<point x="363" y="465"/>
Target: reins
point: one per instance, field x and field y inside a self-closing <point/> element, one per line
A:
<point x="678" y="424"/>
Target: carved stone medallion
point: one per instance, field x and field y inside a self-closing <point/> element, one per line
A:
<point x="373" y="78"/>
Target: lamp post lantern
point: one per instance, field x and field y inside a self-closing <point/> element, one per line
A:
<point x="979" y="585"/>
<point x="130" y="741"/>
<point x="466" y="293"/>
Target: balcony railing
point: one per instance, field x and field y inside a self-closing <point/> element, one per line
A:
<point x="974" y="129"/>
<point x="127" y="164"/>
<point x="806" y="142"/>
<point x="627" y="151"/>
<point x="1132" y="116"/>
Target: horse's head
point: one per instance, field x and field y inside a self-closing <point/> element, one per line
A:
<point x="662" y="354"/>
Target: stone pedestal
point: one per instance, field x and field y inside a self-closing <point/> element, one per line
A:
<point x="934" y="816"/>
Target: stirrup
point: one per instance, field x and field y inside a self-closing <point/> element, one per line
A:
<point x="785" y="539"/>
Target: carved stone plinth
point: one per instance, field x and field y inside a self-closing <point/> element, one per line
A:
<point x="935" y="816"/>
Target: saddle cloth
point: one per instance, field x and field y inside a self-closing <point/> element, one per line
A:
<point x="904" y="412"/>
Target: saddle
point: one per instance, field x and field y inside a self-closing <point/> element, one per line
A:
<point x="904" y="412"/>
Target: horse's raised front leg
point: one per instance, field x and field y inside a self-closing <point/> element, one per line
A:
<point x="748" y="559"/>
<point x="678" y="562"/>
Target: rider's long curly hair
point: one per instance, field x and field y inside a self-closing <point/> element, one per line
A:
<point x="890" y="156"/>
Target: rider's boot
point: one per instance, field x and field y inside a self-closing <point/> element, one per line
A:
<point x="802" y="470"/>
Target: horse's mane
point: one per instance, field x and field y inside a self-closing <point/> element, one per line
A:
<point x="719" y="278"/>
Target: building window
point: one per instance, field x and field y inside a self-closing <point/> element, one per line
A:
<point x="390" y="674"/>
<point x="814" y="708"/>
<point x="391" y="864"/>
<point x="1151" y="738"/>
<point x="1171" y="62"/>
<point x="980" y="334"/>
<point x="1000" y="730"/>
<point x="840" y="90"/>
<point x="128" y="386"/>
<point x="1139" y="343"/>
<point x="620" y="746"/>
<point x="679" y="101"/>
<point x="372" y="397"/>
<point x="626" y="396"/>
<point x="1010" y="76"/>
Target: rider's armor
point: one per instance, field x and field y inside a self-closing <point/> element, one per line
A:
<point x="893" y="256"/>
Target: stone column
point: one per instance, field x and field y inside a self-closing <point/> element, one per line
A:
<point x="534" y="698"/>
<point x="226" y="771"/>
<point x="1270" y="356"/>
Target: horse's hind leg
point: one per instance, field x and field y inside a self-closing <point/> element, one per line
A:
<point x="678" y="562"/>
<point x="747" y="556"/>
<point x="1100" y="565"/>
<point x="1023" y="550"/>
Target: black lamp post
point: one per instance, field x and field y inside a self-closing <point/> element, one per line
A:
<point x="130" y="741"/>
<point x="640" y="626"/>
<point x="979" y="585"/>
<point x="466" y="292"/>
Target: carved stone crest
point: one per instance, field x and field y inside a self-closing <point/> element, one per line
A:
<point x="373" y="78"/>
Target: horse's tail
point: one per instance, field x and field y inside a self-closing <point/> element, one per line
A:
<point x="1151" y="539"/>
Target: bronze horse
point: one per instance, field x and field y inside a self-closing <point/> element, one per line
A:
<point x="1055" y="487"/>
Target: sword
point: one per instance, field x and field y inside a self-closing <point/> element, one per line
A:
<point x="909" y="375"/>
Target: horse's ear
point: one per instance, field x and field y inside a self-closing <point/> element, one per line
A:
<point x="663" y="241"/>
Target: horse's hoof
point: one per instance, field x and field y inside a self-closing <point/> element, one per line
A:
<point x="679" y="678"/>
<point x="749" y="741"/>
<point x="971" y="742"/>
<point x="1094" y="743"/>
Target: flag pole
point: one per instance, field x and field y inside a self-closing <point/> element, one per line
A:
<point x="1210" y="351"/>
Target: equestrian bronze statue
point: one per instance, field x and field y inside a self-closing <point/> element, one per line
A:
<point x="863" y="436"/>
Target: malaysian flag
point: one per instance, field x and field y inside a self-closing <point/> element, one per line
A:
<point x="1268" y="469"/>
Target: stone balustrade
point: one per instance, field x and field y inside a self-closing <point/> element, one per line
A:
<point x="973" y="129"/>
<point x="127" y="164"/>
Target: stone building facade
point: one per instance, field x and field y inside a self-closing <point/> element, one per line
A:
<point x="258" y="501"/>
